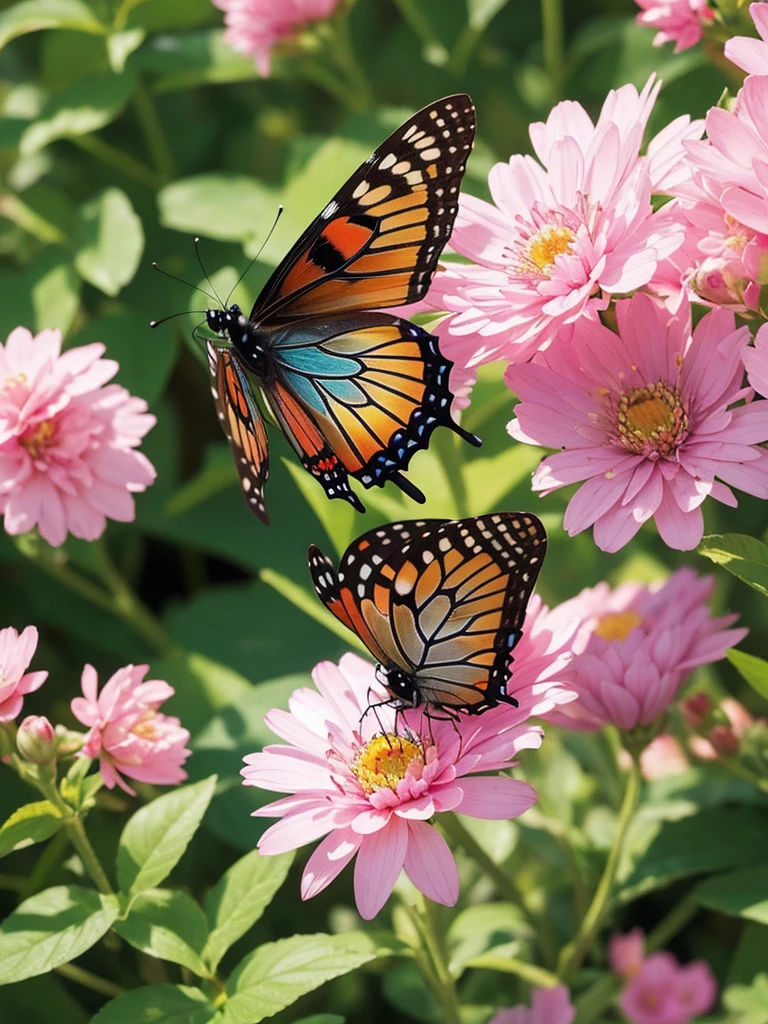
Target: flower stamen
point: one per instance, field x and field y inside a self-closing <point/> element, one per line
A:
<point x="386" y="760"/>
<point x="39" y="438"/>
<point x="652" y="420"/>
<point x="618" y="625"/>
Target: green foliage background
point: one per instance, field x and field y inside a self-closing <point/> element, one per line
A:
<point x="128" y="128"/>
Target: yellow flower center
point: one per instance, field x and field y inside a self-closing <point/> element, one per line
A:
<point x="15" y="380"/>
<point x="145" y="727"/>
<point x="652" y="419"/>
<point x="618" y="625"/>
<point x="385" y="761"/>
<point x="39" y="438"/>
<point x="549" y="243"/>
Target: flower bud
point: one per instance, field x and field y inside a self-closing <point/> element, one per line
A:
<point x="695" y="709"/>
<point x="724" y="740"/>
<point x="36" y="740"/>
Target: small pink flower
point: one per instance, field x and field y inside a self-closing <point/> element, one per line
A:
<point x="636" y="646"/>
<point x="756" y="362"/>
<point x="626" y="953"/>
<point x="371" y="781"/>
<point x="36" y="739"/>
<point x="663" y="992"/>
<point x="662" y="757"/>
<point x="676" y="21"/>
<point x="565" y="234"/>
<point x="648" y="419"/>
<point x="724" y="739"/>
<point x="16" y="651"/>
<point x="67" y="444"/>
<point x="255" y="27"/>
<point x="548" y="1006"/>
<point x="751" y="55"/>
<point x="127" y="732"/>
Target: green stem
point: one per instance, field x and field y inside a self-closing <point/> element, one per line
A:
<point x="154" y="135"/>
<point x="128" y="604"/>
<point x="73" y="823"/>
<point x="507" y="888"/>
<point x="12" y="883"/>
<point x="445" y="987"/>
<point x="445" y="444"/>
<point x="91" y="981"/>
<point x="530" y="973"/>
<point x="325" y="79"/>
<point x="677" y="918"/>
<point x="50" y="858"/>
<point x="117" y="158"/>
<point x="554" y="44"/>
<point x="344" y="52"/>
<point x="420" y="26"/>
<point x="573" y="954"/>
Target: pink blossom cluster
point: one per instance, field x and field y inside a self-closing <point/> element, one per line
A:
<point x="548" y="1006"/>
<point x="681" y="22"/>
<point x="68" y="458"/>
<point x="255" y="27"/>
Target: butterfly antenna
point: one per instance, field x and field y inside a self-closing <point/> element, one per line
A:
<point x="205" y="274"/>
<point x="261" y="250"/>
<point x="184" y="312"/>
<point x="188" y="284"/>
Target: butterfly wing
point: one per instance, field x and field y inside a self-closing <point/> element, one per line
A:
<point x="242" y="424"/>
<point x="373" y="386"/>
<point x="377" y="242"/>
<point x="442" y="601"/>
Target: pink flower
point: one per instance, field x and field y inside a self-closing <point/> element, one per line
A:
<point x="662" y="757"/>
<point x="564" y="234"/>
<point x="36" y="739"/>
<point x="369" y="781"/>
<point x="663" y="992"/>
<point x="636" y="646"/>
<point x="756" y="362"/>
<point x="626" y="953"/>
<point x="751" y="55"/>
<point x="724" y="739"/>
<point x="647" y="419"/>
<point x="548" y="1006"/>
<point x="16" y="652"/>
<point x="127" y="732"/>
<point x="67" y="458"/>
<point x="255" y="27"/>
<point x="677" y="21"/>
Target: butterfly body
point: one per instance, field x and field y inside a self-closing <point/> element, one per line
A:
<point x="440" y="604"/>
<point x="356" y="390"/>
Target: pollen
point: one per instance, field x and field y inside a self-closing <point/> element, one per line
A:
<point x="547" y="244"/>
<point x="38" y="439"/>
<point x="618" y="625"/>
<point x="652" y="420"/>
<point x="145" y="727"/>
<point x="386" y="760"/>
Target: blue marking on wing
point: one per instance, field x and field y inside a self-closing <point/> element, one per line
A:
<point x="316" y="362"/>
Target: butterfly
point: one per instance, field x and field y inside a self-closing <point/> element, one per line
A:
<point x="356" y="391"/>
<point x="439" y="603"/>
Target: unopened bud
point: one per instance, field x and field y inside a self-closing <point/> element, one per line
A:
<point x="36" y="740"/>
<point x="724" y="740"/>
<point x="695" y="709"/>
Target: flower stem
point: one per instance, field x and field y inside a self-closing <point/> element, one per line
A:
<point x="346" y="58"/>
<point x="117" y="158"/>
<point x="154" y="135"/>
<point x="443" y="983"/>
<point x="128" y="604"/>
<point x="534" y="975"/>
<point x="91" y="981"/>
<point x="677" y="918"/>
<point x="554" y="45"/>
<point x="73" y="823"/>
<point x="506" y="885"/>
<point x="573" y="954"/>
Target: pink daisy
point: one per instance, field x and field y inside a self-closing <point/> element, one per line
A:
<point x="664" y="992"/>
<point x="370" y="782"/>
<point x="127" y="732"/>
<point x="67" y="444"/>
<point x="751" y="55"/>
<point x="756" y="362"/>
<point x="565" y="234"/>
<point x="626" y="953"/>
<point x="648" y="419"/>
<point x="676" y="21"/>
<point x="255" y="27"/>
<point x="636" y="646"/>
<point x="548" y="1006"/>
<point x="16" y="652"/>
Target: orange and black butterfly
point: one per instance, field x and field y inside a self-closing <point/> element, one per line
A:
<point x="356" y="391"/>
<point x="439" y="603"/>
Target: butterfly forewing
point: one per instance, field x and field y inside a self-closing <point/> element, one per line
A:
<point x="242" y="423"/>
<point x="377" y="242"/>
<point x="442" y="601"/>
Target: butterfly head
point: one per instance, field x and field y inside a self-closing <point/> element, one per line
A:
<point x="402" y="686"/>
<point x="225" y="322"/>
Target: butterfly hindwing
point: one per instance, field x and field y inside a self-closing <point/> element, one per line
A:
<point x="242" y="424"/>
<point x="442" y="602"/>
<point x="377" y="242"/>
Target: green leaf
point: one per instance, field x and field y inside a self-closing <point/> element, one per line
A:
<point x="740" y="554"/>
<point x="739" y="893"/>
<point x="340" y="521"/>
<point x="482" y="928"/>
<point x="51" y="928"/>
<point x="120" y="45"/>
<point x="169" y="925"/>
<point x="184" y="60"/>
<point x="33" y="823"/>
<point x="322" y="1018"/>
<point x="35" y="15"/>
<point x="278" y="973"/>
<point x="44" y="1000"/>
<point x="751" y="668"/>
<point x="487" y="481"/>
<point x="157" y="835"/>
<point x="714" y="840"/>
<point x="110" y="241"/>
<point x="239" y="900"/>
<point x="749" y="1001"/>
<point x="311" y="605"/>
<point x="54" y="288"/>
<point x="482" y="11"/>
<point x="84" y="107"/>
<point x="158" y="1004"/>
<point x="230" y="207"/>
